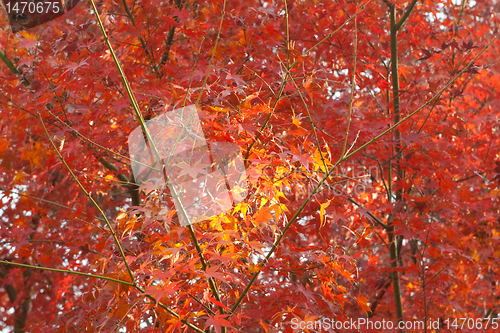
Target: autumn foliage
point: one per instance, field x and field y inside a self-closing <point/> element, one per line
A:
<point x="370" y="135"/>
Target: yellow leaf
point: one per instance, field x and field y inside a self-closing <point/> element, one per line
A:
<point x="129" y="226"/>
<point x="322" y="208"/>
<point x="253" y="269"/>
<point x="217" y="109"/>
<point x="263" y="201"/>
<point x="19" y="177"/>
<point x="158" y="249"/>
<point x="216" y="222"/>
<point x="122" y="217"/>
<point x="295" y="121"/>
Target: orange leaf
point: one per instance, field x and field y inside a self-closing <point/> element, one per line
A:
<point x="362" y="301"/>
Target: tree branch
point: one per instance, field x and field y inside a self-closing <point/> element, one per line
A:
<point x="132" y="188"/>
<point x="14" y="69"/>
<point x="141" y="38"/>
<point x="388" y="3"/>
<point x="403" y="19"/>
<point x="395" y="241"/>
<point x="170" y="38"/>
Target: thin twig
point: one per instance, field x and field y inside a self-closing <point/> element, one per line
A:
<point x="282" y="87"/>
<point x="353" y="86"/>
<point x="211" y="282"/>
<point x="298" y="90"/>
<point x="68" y="272"/>
<point x="210" y="63"/>
<point x="130" y="93"/>
<point x="110" y="227"/>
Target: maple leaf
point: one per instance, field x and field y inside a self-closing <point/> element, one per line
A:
<point x="256" y="246"/>
<point x="212" y="272"/>
<point x="198" y="168"/>
<point x="75" y="66"/>
<point x="322" y="209"/>
<point x="237" y="79"/>
<point x="427" y="54"/>
<point x="305" y="159"/>
<point x="217" y="321"/>
<point x="225" y="258"/>
<point x="158" y="291"/>
<point x="182" y="15"/>
<point x="263" y="215"/>
<point x="469" y="45"/>
<point x="404" y="71"/>
<point x="411" y="137"/>
<point x="28" y="43"/>
<point x="363" y="303"/>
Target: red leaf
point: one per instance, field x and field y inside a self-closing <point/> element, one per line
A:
<point x="217" y="321"/>
<point x="158" y="292"/>
<point x="212" y="272"/>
